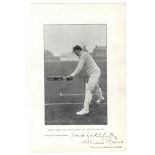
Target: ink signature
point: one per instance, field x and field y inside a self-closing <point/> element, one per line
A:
<point x="97" y="138"/>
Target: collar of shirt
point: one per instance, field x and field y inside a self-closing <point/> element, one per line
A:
<point x="80" y="53"/>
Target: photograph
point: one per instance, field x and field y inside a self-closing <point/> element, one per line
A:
<point x="75" y="74"/>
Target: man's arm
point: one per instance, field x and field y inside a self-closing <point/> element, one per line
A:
<point x="80" y="65"/>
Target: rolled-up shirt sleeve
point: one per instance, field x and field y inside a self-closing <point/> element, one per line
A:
<point x="80" y="65"/>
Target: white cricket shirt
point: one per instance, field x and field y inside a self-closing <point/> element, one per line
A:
<point x="87" y="60"/>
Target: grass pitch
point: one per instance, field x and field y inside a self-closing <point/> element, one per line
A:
<point x="65" y="114"/>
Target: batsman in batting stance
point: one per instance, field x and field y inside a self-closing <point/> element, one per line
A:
<point x="93" y="72"/>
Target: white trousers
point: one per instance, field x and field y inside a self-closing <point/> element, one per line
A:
<point x="92" y="85"/>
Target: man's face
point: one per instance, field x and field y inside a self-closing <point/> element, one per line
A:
<point x="77" y="52"/>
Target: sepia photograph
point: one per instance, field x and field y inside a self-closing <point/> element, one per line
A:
<point x="75" y="74"/>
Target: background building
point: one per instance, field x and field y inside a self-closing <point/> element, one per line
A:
<point x="99" y="53"/>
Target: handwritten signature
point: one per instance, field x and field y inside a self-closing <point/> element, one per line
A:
<point x="97" y="138"/>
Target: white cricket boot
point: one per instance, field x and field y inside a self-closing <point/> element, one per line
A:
<point x="88" y="98"/>
<point x="99" y="94"/>
<point x="100" y="100"/>
<point x="83" y="112"/>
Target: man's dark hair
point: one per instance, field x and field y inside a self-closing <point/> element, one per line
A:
<point x="77" y="47"/>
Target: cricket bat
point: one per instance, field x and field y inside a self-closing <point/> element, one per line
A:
<point x="55" y="78"/>
<point x="58" y="78"/>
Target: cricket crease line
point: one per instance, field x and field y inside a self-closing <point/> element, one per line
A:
<point x="61" y="94"/>
<point x="62" y="60"/>
<point x="60" y="103"/>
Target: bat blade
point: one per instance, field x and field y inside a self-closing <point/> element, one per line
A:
<point x="55" y="78"/>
